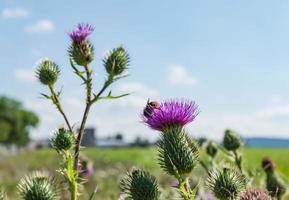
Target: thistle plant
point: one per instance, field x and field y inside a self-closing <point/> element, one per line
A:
<point x="178" y="153"/>
<point x="255" y="194"/>
<point x="232" y="143"/>
<point x="211" y="149"/>
<point x="38" y="186"/>
<point x="274" y="184"/>
<point x="140" y="185"/>
<point x="66" y="140"/>
<point x="226" y="184"/>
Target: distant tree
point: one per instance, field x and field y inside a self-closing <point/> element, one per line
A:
<point x="140" y="142"/>
<point x="119" y="136"/>
<point x="15" y="122"/>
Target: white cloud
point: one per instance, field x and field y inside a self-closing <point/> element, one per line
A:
<point x="274" y="112"/>
<point x="40" y="26"/>
<point x="178" y="75"/>
<point x="26" y="75"/>
<point x="14" y="12"/>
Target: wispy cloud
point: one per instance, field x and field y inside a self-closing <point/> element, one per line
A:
<point x="178" y="75"/>
<point x="275" y="112"/>
<point x="25" y="75"/>
<point x="14" y="13"/>
<point x="40" y="26"/>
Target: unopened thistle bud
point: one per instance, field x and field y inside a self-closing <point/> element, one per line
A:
<point x="178" y="153"/>
<point x="226" y="184"/>
<point x="47" y="72"/>
<point x="116" y="62"/>
<point x="81" y="50"/>
<point x="140" y="185"/>
<point x="231" y="141"/>
<point x="38" y="186"/>
<point x="255" y="194"/>
<point x="211" y="149"/>
<point x="62" y="140"/>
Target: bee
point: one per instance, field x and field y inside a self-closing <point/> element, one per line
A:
<point x="150" y="106"/>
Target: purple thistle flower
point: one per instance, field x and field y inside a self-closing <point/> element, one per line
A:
<point x="169" y="113"/>
<point x="80" y="32"/>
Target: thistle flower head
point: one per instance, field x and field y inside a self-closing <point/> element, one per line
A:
<point x="178" y="153"/>
<point x="268" y="165"/>
<point x="38" y="186"/>
<point x="116" y="61"/>
<point x="47" y="72"/>
<point x="255" y="194"/>
<point x="140" y="185"/>
<point x="231" y="141"/>
<point x="211" y="149"/>
<point x="80" y="32"/>
<point x="170" y="114"/>
<point x="62" y="140"/>
<point x="226" y="184"/>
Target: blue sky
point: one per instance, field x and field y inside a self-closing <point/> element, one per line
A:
<point x="231" y="57"/>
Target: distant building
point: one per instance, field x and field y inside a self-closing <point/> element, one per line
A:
<point x="89" y="138"/>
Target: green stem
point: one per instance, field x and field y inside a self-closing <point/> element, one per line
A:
<point x="185" y="189"/>
<point x="71" y="177"/>
<point x="56" y="102"/>
<point x="238" y="161"/>
<point x="84" y="118"/>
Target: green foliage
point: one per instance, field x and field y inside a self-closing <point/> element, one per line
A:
<point x="116" y="61"/>
<point x="140" y="185"/>
<point x="38" y="186"/>
<point x="82" y="52"/>
<point x="2" y="195"/>
<point x="63" y="140"/>
<point x="226" y="184"/>
<point x="47" y="72"/>
<point x="231" y="141"/>
<point x="178" y="154"/>
<point x="211" y="149"/>
<point x="15" y="122"/>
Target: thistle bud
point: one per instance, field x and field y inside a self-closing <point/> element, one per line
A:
<point x="82" y="52"/>
<point x="211" y="149"/>
<point x="274" y="184"/>
<point x="116" y="61"/>
<point x="268" y="165"/>
<point x="178" y="153"/>
<point x="140" y="185"/>
<point x="255" y="194"/>
<point x="38" y="186"/>
<point x="231" y="141"/>
<point x="226" y="184"/>
<point x="47" y="72"/>
<point x="62" y="140"/>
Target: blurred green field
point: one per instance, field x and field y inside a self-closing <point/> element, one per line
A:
<point x="111" y="164"/>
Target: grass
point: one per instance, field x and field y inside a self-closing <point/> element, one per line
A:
<point x="111" y="164"/>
